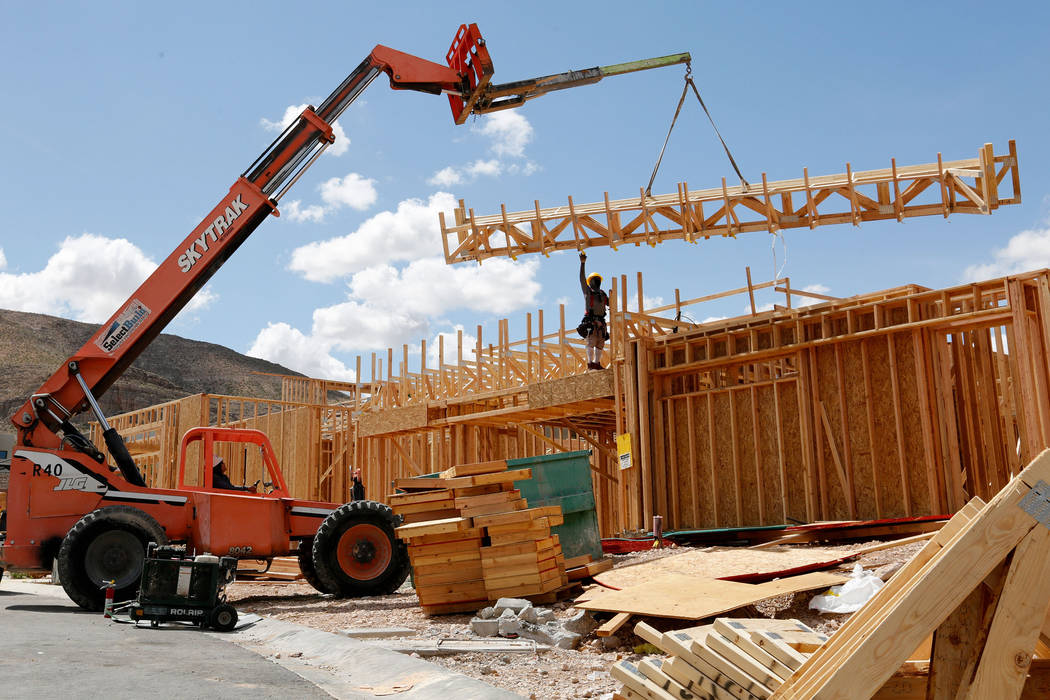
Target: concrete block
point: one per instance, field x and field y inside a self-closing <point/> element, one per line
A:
<point x="484" y="628"/>
<point x="528" y="615"/>
<point x="487" y="613"/>
<point x="510" y="626"/>
<point x="581" y="623"/>
<point x="515" y="604"/>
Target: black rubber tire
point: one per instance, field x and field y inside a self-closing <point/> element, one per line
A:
<point x="326" y="556"/>
<point x="306" y="565"/>
<point x="223" y="618"/>
<point x="121" y="526"/>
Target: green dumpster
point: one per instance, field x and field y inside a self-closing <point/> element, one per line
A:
<point x="564" y="479"/>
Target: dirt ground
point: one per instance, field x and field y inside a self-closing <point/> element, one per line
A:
<point x="551" y="675"/>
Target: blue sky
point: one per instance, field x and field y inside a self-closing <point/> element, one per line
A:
<point x="124" y="123"/>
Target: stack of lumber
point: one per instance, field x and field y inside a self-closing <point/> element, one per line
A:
<point x="733" y="659"/>
<point x="472" y="538"/>
<point x="979" y="587"/>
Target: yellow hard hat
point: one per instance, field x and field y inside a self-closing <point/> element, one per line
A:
<point x="594" y="275"/>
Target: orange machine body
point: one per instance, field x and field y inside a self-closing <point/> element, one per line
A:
<point x="56" y="488"/>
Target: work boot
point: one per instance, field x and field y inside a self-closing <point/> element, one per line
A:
<point x="594" y="365"/>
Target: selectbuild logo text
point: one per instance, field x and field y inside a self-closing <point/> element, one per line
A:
<point x="125" y="322"/>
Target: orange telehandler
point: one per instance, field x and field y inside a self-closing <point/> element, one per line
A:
<point x="67" y="506"/>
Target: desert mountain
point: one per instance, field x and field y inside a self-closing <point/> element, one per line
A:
<point x="33" y="346"/>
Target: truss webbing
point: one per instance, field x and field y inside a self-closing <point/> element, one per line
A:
<point x="945" y="187"/>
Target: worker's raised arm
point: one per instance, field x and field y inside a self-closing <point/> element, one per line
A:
<point x="583" y="273"/>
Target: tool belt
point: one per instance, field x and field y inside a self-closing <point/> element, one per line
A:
<point x="592" y="323"/>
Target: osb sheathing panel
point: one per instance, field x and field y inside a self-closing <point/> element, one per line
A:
<point x="725" y="479"/>
<point x="861" y="449"/>
<point x="706" y="476"/>
<point x="392" y="420"/>
<point x="679" y="451"/>
<point x="791" y="452"/>
<point x="581" y="387"/>
<point x="915" y="458"/>
<point x="835" y="479"/>
<point x="769" y="474"/>
<point x="745" y="454"/>
<point x="890" y="483"/>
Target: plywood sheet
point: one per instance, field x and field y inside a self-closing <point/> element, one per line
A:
<point x="694" y="598"/>
<point x="580" y="387"/>
<point x="718" y="562"/>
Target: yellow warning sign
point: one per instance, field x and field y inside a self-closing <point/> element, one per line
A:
<point x="623" y="449"/>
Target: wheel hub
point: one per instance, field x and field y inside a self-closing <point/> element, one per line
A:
<point x="364" y="551"/>
<point x="116" y="556"/>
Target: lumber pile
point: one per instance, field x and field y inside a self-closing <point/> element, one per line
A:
<point x="979" y="587"/>
<point x="739" y="659"/>
<point x="732" y="659"/>
<point x="472" y="538"/>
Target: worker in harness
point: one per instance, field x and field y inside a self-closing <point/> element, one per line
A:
<point x="592" y="327"/>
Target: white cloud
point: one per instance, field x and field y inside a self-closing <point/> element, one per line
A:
<point x="387" y="307"/>
<point x="291" y="113"/>
<point x="449" y="176"/>
<point x="470" y="343"/>
<point x="281" y="343"/>
<point x="446" y="177"/>
<point x="87" y="279"/>
<point x="431" y="287"/>
<point x="351" y="191"/>
<point x="298" y="213"/>
<point x="3" y="260"/>
<point x="353" y="325"/>
<point x="1028" y="250"/>
<point x="816" y="288"/>
<point x="650" y="302"/>
<point x="488" y="168"/>
<point x="408" y="233"/>
<point x="509" y="132"/>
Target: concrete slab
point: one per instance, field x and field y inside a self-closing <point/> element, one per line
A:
<point x="50" y="648"/>
<point x="352" y="668"/>
<point x="377" y="632"/>
<point x="120" y="660"/>
<point x="449" y="647"/>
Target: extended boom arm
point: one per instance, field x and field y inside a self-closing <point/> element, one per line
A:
<point x="47" y="414"/>
<point x="253" y="197"/>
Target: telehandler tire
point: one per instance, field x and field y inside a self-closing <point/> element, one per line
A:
<point x="306" y="565"/>
<point x="356" y="552"/>
<point x="107" y="544"/>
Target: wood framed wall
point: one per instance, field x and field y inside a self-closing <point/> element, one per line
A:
<point x="313" y="443"/>
<point x="907" y="401"/>
<point x="900" y="404"/>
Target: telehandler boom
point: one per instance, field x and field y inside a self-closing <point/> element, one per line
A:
<point x="68" y="506"/>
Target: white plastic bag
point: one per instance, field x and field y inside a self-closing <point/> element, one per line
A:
<point x="850" y="596"/>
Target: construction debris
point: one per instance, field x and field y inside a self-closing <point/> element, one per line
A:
<point x="979" y="587"/>
<point x="513" y="618"/>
